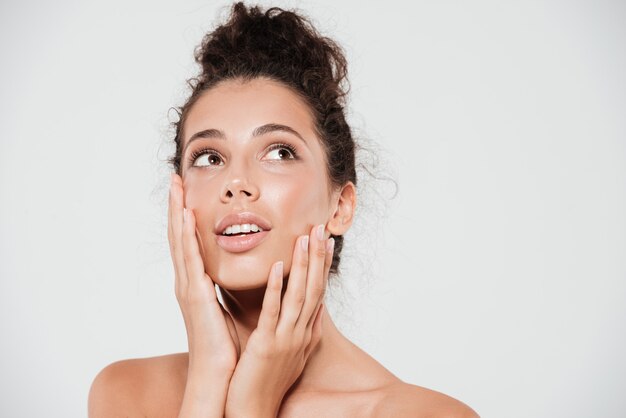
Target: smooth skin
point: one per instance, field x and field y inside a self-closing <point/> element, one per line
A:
<point x="277" y="349"/>
<point x="271" y="350"/>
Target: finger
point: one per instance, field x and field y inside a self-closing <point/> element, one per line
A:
<point x="309" y="329"/>
<point x="175" y="229"/>
<point x="315" y="276"/>
<point x="330" y="249"/>
<point x="270" y="309"/>
<point x="193" y="260"/>
<point x="296" y="286"/>
<point x="316" y="332"/>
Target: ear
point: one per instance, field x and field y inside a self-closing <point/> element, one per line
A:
<point x="343" y="214"/>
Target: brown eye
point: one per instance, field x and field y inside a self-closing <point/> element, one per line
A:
<point x="281" y="152"/>
<point x="206" y="158"/>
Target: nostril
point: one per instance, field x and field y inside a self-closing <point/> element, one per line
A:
<point x="229" y="194"/>
<point x="240" y="189"/>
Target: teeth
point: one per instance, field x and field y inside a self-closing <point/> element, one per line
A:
<point x="242" y="229"/>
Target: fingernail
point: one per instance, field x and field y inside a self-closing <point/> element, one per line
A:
<point x="320" y="232"/>
<point x="330" y="244"/>
<point x="304" y="243"/>
<point x="278" y="268"/>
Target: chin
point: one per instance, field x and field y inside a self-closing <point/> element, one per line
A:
<point x="238" y="282"/>
<point x="250" y="269"/>
<point x="244" y="274"/>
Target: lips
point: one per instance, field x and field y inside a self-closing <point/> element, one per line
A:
<point x="241" y="218"/>
<point x="241" y="243"/>
<point x="244" y="242"/>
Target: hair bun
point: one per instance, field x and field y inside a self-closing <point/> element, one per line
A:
<point x="253" y="43"/>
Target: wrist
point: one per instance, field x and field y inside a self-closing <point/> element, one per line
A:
<point x="213" y="367"/>
<point x="252" y="409"/>
<point x="204" y="396"/>
<point x="207" y="384"/>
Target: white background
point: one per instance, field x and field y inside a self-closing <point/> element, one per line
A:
<point x="497" y="275"/>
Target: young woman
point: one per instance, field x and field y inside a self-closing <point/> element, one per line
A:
<point x="263" y="191"/>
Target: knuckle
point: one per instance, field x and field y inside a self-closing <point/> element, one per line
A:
<point x="266" y="347"/>
<point x="318" y="290"/>
<point x="264" y="352"/>
<point x="299" y="299"/>
<point x="307" y="336"/>
<point x="284" y="347"/>
<point x="320" y="251"/>
<point x="298" y="343"/>
<point x="299" y="338"/>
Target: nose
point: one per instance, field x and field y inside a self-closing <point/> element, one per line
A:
<point x="238" y="187"/>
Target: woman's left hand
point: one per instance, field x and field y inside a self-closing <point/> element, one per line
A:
<point x="286" y="333"/>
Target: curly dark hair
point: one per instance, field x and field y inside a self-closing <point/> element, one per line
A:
<point x="284" y="46"/>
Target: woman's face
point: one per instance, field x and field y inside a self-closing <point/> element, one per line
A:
<point x="250" y="149"/>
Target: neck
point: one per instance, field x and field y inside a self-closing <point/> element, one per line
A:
<point x="244" y="306"/>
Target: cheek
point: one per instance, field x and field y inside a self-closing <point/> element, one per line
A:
<point x="199" y="188"/>
<point x="301" y="205"/>
<point x="297" y="202"/>
<point x="202" y="195"/>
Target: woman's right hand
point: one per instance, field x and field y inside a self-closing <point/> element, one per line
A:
<point x="211" y="334"/>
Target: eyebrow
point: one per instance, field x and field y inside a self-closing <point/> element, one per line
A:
<point x="261" y="130"/>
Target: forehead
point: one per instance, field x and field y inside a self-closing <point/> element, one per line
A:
<point x="237" y="107"/>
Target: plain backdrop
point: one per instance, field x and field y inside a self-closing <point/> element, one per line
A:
<point x="496" y="275"/>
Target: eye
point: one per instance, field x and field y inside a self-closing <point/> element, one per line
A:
<point x="281" y="152"/>
<point x="205" y="157"/>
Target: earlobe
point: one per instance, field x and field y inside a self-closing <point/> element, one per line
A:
<point x="341" y="219"/>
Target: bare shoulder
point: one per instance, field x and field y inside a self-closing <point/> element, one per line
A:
<point x="405" y="400"/>
<point x="152" y="386"/>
